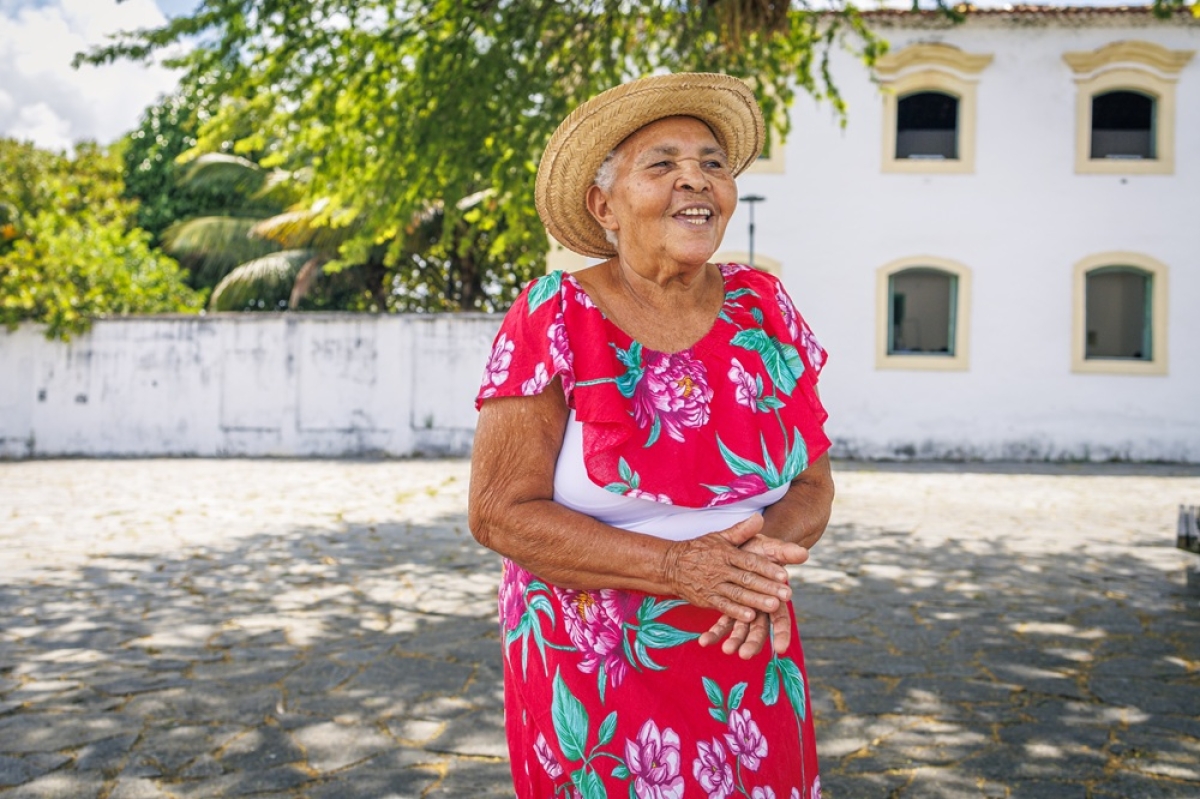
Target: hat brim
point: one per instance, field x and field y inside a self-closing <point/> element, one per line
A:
<point x="595" y="128"/>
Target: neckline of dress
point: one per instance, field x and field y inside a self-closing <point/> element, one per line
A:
<point x="704" y="336"/>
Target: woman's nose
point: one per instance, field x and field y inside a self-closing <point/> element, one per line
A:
<point x="691" y="176"/>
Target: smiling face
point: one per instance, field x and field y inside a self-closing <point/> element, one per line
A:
<point x="671" y="197"/>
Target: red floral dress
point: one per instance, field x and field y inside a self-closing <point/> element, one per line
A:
<point x="607" y="693"/>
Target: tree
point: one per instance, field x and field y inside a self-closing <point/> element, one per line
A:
<point x="69" y="253"/>
<point x="404" y="109"/>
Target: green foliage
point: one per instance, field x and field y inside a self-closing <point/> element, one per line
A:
<point x="403" y="110"/>
<point x="154" y="176"/>
<point x="68" y="253"/>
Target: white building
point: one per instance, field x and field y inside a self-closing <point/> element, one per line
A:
<point x="1001" y="248"/>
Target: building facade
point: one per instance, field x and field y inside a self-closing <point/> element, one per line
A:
<point x="1001" y="247"/>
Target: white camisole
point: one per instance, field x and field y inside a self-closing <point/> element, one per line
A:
<point x="574" y="489"/>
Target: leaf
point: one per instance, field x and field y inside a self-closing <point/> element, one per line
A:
<point x="770" y="693"/>
<point x="782" y="361"/>
<point x="644" y="657"/>
<point x="714" y="693"/>
<point x="601" y="681"/>
<point x="632" y="360"/>
<point x="543" y="289"/>
<point x="620" y="772"/>
<point x="570" y="720"/>
<point x="589" y="784"/>
<point x="655" y="430"/>
<point x="735" y="695"/>
<point x="793" y="685"/>
<point x="739" y="465"/>
<point x="770" y="403"/>
<point x="718" y="714"/>
<point x="757" y="314"/>
<point x="608" y="728"/>
<point x="797" y="459"/>
<point x="652" y="608"/>
<point x="733" y="295"/>
<point x="617" y="488"/>
<point x="656" y="635"/>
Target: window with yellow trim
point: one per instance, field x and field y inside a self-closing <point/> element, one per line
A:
<point x="1120" y="315"/>
<point x="923" y="307"/>
<point x="1125" y="107"/>
<point x="929" y="98"/>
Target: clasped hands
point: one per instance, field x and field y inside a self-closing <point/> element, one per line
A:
<point x="741" y="573"/>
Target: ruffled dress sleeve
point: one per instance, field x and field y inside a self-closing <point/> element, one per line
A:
<point x="531" y="348"/>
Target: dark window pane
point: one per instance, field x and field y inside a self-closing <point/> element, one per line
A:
<point x="922" y="307"/>
<point x="1117" y="314"/>
<point x="1122" y="125"/>
<point x="927" y="126"/>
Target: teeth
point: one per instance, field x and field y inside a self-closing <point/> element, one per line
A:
<point x="696" y="212"/>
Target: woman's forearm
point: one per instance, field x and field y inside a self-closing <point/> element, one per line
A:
<point x="803" y="513"/>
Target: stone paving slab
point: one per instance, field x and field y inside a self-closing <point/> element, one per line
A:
<point x="172" y="629"/>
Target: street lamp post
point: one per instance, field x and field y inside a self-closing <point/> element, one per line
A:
<point x="752" y="199"/>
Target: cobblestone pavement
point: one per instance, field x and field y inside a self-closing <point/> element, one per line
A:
<point x="208" y="628"/>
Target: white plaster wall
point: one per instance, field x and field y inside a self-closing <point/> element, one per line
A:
<point x="1020" y="223"/>
<point x="253" y="384"/>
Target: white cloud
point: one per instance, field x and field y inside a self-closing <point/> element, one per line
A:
<point x="45" y="100"/>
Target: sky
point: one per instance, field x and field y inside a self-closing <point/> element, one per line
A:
<point x="44" y="100"/>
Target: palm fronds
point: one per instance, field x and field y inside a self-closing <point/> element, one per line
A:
<point x="211" y="246"/>
<point x="262" y="284"/>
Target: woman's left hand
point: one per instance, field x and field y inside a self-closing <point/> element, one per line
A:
<point x="748" y="638"/>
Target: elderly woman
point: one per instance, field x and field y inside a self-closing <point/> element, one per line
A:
<point x="649" y="458"/>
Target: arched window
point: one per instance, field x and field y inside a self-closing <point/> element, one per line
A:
<point x="922" y="314"/>
<point x="1120" y="314"/>
<point x="1125" y="107"/>
<point x="929" y="108"/>
<point x="1122" y="125"/>
<point x="927" y="126"/>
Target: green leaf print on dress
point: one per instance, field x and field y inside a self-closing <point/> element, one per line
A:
<point x="543" y="289"/>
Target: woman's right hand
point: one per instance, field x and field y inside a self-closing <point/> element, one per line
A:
<point x="713" y="571"/>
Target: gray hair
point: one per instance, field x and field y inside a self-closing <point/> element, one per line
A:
<point x="606" y="176"/>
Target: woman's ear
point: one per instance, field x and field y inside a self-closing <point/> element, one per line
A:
<point x="599" y="207"/>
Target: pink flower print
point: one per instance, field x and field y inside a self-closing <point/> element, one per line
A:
<point x="712" y="770"/>
<point x="763" y="793"/>
<point x="795" y="794"/>
<point x="744" y="385"/>
<point x="638" y="493"/>
<point x="745" y="740"/>
<point x="790" y="315"/>
<point x="496" y="371"/>
<point x="535" y="384"/>
<point x="654" y="762"/>
<point x="741" y="487"/>
<point x="733" y="269"/>
<point x="545" y="756"/>
<point x="560" y="347"/>
<point x="812" y="347"/>
<point x="674" y="391"/>
<point x="513" y="582"/>
<point x="816" y="789"/>
<point x="581" y="296"/>
<point x="594" y="623"/>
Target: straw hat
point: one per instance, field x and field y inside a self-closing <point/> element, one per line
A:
<point x="595" y="128"/>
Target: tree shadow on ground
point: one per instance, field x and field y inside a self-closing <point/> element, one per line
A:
<point x="971" y="669"/>
<point x="356" y="663"/>
<point x="365" y="662"/>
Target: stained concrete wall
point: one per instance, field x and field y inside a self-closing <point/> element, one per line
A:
<point x="252" y="384"/>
